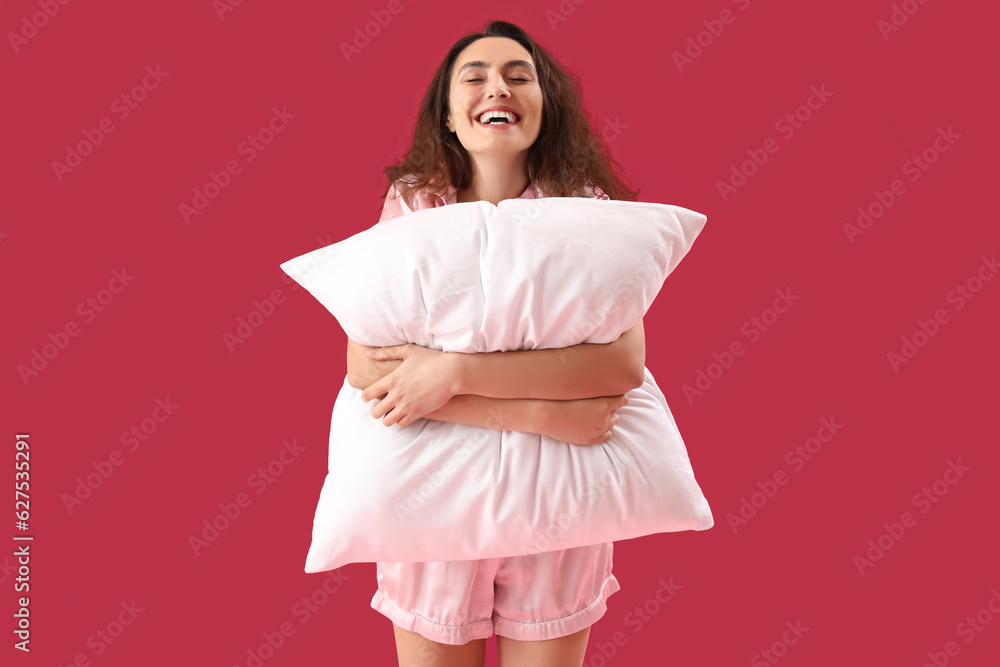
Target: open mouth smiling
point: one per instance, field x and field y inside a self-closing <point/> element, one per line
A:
<point x="498" y="118"/>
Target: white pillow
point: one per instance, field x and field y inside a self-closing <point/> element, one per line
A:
<point x="473" y="277"/>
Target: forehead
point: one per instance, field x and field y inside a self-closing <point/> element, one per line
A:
<point x="492" y="52"/>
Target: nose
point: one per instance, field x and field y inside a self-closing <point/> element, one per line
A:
<point x="498" y="87"/>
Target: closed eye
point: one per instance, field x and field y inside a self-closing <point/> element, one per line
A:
<point x="514" y="79"/>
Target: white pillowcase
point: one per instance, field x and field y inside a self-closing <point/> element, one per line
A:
<point x="474" y="277"/>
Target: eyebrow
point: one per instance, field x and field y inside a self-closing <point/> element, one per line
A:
<point x="507" y="65"/>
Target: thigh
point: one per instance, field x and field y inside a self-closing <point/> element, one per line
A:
<point x="565" y="651"/>
<point x="415" y="650"/>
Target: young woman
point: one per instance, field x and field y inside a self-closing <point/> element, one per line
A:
<point x="538" y="143"/>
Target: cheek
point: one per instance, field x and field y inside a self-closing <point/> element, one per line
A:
<point x="462" y="110"/>
<point x="539" y="110"/>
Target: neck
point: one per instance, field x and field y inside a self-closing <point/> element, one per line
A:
<point x="496" y="179"/>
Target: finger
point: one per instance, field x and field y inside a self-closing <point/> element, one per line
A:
<point x="375" y="389"/>
<point x="392" y="415"/>
<point x="387" y="352"/>
<point x="385" y="406"/>
<point x="391" y="418"/>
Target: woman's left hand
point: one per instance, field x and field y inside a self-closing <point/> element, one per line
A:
<point x="421" y="384"/>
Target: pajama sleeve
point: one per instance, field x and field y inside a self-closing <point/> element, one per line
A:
<point x="596" y="193"/>
<point x="394" y="205"/>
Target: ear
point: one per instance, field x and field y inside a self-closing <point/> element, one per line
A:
<point x="448" y="123"/>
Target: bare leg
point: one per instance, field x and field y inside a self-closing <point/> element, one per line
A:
<point x="565" y="651"/>
<point x="415" y="650"/>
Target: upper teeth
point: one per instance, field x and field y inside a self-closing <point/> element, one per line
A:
<point x="485" y="118"/>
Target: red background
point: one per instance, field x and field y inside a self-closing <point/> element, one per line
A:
<point x="319" y="181"/>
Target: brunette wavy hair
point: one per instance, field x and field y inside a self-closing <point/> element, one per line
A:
<point x="566" y="157"/>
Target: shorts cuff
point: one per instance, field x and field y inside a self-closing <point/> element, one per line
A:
<point x="560" y="627"/>
<point x="443" y="634"/>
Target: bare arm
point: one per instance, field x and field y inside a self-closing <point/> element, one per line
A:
<point x="580" y="422"/>
<point x="579" y="371"/>
<point x="513" y="414"/>
<point x="583" y="422"/>
<point x="586" y="370"/>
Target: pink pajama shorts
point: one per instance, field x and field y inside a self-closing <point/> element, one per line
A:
<point x="529" y="598"/>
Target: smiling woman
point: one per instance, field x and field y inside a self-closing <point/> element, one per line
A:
<point x="551" y="146"/>
<point x="501" y="119"/>
<point x="482" y="87"/>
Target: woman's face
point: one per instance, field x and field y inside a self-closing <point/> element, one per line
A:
<point x="495" y="72"/>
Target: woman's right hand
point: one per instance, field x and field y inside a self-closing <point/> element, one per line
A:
<point x="582" y="421"/>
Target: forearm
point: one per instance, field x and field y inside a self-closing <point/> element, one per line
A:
<point x="518" y="414"/>
<point x="500" y="414"/>
<point x="579" y="371"/>
<point x="556" y="373"/>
